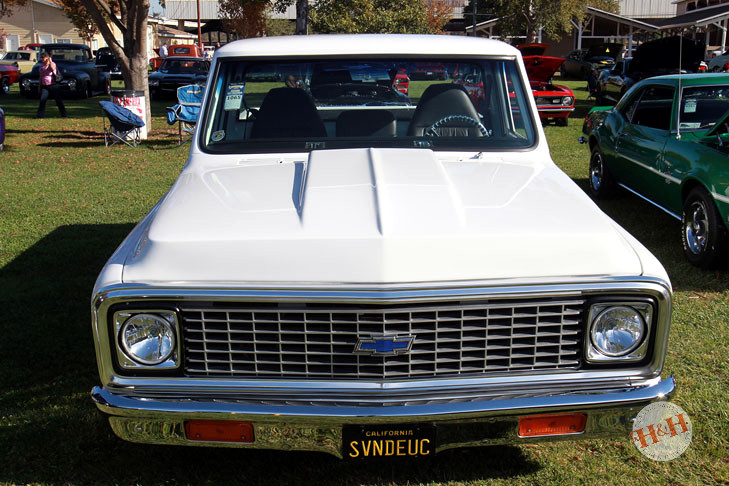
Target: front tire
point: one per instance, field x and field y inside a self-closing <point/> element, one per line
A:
<point x="561" y="122"/>
<point x="602" y="184"/>
<point x="703" y="235"/>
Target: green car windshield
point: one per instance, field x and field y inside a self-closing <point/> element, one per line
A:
<point x="333" y="103"/>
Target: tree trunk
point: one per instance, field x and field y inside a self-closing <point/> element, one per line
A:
<point x="131" y="50"/>
<point x="302" y="16"/>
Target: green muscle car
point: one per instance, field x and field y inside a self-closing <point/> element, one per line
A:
<point x="667" y="141"/>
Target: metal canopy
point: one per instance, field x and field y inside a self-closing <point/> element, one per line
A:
<point x="697" y="18"/>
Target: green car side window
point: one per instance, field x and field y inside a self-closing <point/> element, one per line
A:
<point x="628" y="109"/>
<point x="654" y="108"/>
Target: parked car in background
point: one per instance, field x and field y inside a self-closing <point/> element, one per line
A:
<point x="32" y="47"/>
<point x="9" y="74"/>
<point x="184" y="50"/>
<point x="579" y="63"/>
<point x="637" y="145"/>
<point x="175" y="72"/>
<point x="81" y="75"/>
<point x="574" y="65"/>
<point x="339" y="268"/>
<point x="23" y="60"/>
<point x="2" y="129"/>
<point x="716" y="64"/>
<point x="106" y="60"/>
<point x="554" y="102"/>
<point x="614" y="83"/>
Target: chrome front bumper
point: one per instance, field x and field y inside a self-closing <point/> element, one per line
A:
<point x="311" y="424"/>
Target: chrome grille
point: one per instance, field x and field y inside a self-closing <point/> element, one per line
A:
<point x="290" y="341"/>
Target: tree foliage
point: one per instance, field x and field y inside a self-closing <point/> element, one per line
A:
<point x="76" y="13"/>
<point x="245" y="17"/>
<point x="370" y="16"/>
<point x="6" y="6"/>
<point x="519" y="17"/>
<point x="438" y="13"/>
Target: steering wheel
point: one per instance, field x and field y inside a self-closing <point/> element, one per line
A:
<point x="460" y="119"/>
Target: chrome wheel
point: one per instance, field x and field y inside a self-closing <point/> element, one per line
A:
<point x="596" y="172"/>
<point x="704" y="236"/>
<point x="696" y="228"/>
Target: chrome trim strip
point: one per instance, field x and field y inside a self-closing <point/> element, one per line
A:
<point x="542" y="108"/>
<point x="667" y="177"/>
<point x="190" y="406"/>
<point x="720" y="197"/>
<point x="670" y="213"/>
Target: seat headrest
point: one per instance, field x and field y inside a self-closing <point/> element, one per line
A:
<point x="287" y="112"/>
<point x="438" y="101"/>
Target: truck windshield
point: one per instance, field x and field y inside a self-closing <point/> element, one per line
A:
<point x="470" y="104"/>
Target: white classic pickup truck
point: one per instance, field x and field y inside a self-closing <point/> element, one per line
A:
<point x="365" y="260"/>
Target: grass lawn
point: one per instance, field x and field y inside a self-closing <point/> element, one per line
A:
<point x="66" y="202"/>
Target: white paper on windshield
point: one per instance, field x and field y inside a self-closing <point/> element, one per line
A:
<point x="234" y="96"/>
<point x="689" y="105"/>
<point x="690" y="125"/>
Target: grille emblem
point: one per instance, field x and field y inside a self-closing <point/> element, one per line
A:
<point x="384" y="345"/>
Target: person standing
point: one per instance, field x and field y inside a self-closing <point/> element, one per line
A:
<point x="163" y="50"/>
<point x="47" y="86"/>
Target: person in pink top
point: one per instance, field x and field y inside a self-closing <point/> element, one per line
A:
<point x="47" y="86"/>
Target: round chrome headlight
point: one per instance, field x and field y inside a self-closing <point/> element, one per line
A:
<point x="154" y="82"/>
<point x="71" y="84"/>
<point x="25" y="84"/>
<point x="147" y="339"/>
<point x="567" y="100"/>
<point x="617" y="331"/>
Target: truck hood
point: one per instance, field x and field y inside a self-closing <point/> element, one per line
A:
<point x="376" y="216"/>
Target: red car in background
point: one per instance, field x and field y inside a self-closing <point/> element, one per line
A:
<point x="9" y="74"/>
<point x="401" y="82"/>
<point x="553" y="101"/>
<point x="185" y="50"/>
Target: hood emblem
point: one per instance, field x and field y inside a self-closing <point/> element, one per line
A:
<point x="384" y="345"/>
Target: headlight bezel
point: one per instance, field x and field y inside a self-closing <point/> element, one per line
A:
<point x="644" y="307"/>
<point x="126" y="362"/>
<point x="568" y="101"/>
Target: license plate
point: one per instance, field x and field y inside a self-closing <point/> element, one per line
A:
<point x="369" y="441"/>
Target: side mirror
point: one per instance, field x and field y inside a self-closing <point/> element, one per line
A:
<point x="723" y="139"/>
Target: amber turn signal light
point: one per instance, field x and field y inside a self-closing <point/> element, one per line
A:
<point x="552" y="425"/>
<point x="219" y="431"/>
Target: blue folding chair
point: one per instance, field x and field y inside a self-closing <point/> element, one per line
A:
<point x="187" y="110"/>
<point x="124" y="125"/>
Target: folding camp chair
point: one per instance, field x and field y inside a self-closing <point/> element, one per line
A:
<point x="124" y="125"/>
<point x="186" y="112"/>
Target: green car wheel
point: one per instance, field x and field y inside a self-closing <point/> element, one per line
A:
<point x="602" y="184"/>
<point x="703" y="236"/>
